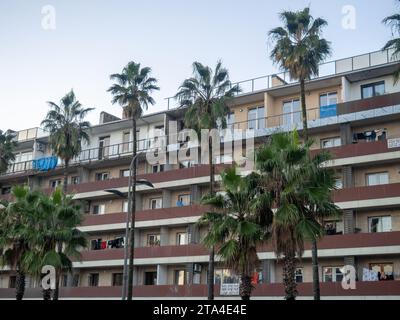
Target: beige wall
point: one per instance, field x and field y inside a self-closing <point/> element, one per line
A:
<point x="362" y="218"/>
<point x="359" y="174"/>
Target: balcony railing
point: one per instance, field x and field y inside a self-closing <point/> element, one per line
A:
<point x="332" y="68"/>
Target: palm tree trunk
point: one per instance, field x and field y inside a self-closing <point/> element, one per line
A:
<point x="58" y="274"/>
<point x="46" y="294"/>
<point x="65" y="182"/>
<point x="245" y="287"/>
<point x="304" y="108"/>
<point x="289" y="266"/>
<point x="133" y="210"/>
<point x="314" y="252"/>
<point x="210" y="279"/>
<point x="20" y="285"/>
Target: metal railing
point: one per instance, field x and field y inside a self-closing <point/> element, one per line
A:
<point x="331" y="68"/>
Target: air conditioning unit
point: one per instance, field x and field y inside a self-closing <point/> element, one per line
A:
<point x="197" y="267"/>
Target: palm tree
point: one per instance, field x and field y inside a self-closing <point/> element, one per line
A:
<point x="205" y="95"/>
<point x="68" y="130"/>
<point x="394" y="22"/>
<point x="7" y="145"/>
<point x="301" y="189"/>
<point x="300" y="49"/>
<point x="238" y="224"/>
<point x="132" y="91"/>
<point x="17" y="229"/>
<point x="58" y="219"/>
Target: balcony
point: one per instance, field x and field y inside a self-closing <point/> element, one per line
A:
<point x="366" y="290"/>
<point x="367" y="193"/>
<point x="145" y="215"/>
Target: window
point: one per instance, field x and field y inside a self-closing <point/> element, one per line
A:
<point x="93" y="280"/>
<point x="99" y="208"/>
<point x="327" y="104"/>
<point x="373" y="90"/>
<point x="256" y="118"/>
<point x="153" y="240"/>
<point x="374" y="179"/>
<point x="126" y="136"/>
<point x="183" y="200"/>
<point x="332" y="274"/>
<point x="64" y="280"/>
<point x="75" y="280"/>
<point x="75" y="180"/>
<point x="124" y="173"/>
<point x="156" y="203"/>
<point x="101" y="176"/>
<point x="230" y="120"/>
<point x="334" y="227"/>
<point x="12" y="282"/>
<point x="158" y="168"/>
<point x="181" y="238"/>
<point x="385" y="270"/>
<point x="117" y="279"/>
<point x="331" y="142"/>
<point x="298" y="275"/>
<point x="225" y="276"/>
<point x="291" y="112"/>
<point x="55" y="183"/>
<point x="150" y="278"/>
<point x="125" y="206"/>
<point x="179" y="277"/>
<point x="380" y="224"/>
<point x="338" y="183"/>
<point x="104" y="147"/>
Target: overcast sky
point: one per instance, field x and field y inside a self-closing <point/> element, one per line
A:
<point x="92" y="39"/>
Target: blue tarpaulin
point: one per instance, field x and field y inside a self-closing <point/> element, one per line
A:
<point x="327" y="111"/>
<point x="45" y="164"/>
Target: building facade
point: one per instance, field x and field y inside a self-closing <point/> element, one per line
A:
<point x="353" y="110"/>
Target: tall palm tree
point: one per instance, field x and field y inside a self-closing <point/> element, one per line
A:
<point x="68" y="130"/>
<point x="393" y="21"/>
<point x="206" y="95"/>
<point x="58" y="219"/>
<point x="301" y="189"/>
<point x="17" y="229"/>
<point x="238" y="223"/>
<point x="300" y="49"/>
<point x="7" y="146"/>
<point x="132" y="91"/>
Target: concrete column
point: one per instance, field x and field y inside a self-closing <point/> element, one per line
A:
<point x="137" y="238"/>
<point x="346" y="134"/>
<point x="347" y="173"/>
<point x="162" y="274"/>
<point x="193" y="234"/>
<point x="136" y="277"/>
<point x="348" y="221"/>
<point x="139" y="205"/>
<point x="268" y="269"/>
<point x="195" y="194"/>
<point x="167" y="199"/>
<point x="164" y="232"/>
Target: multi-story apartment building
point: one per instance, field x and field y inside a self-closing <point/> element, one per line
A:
<point x="353" y="111"/>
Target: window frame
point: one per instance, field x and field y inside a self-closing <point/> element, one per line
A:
<point x="333" y="139"/>
<point x="257" y="119"/>
<point x="367" y="175"/>
<point x="380" y="222"/>
<point x="373" y="85"/>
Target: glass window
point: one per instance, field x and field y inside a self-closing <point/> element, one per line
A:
<point x="374" y="179"/>
<point x="153" y="240"/>
<point x="373" y="90"/>
<point x="126" y="137"/>
<point x="385" y="270"/>
<point x="93" y="280"/>
<point x="158" y="168"/>
<point x="291" y="112"/>
<point x="334" y="227"/>
<point x="104" y="147"/>
<point x="75" y="280"/>
<point x="180" y="277"/>
<point x="101" y="176"/>
<point x="55" y="183"/>
<point x="99" y="208"/>
<point x="156" y="203"/>
<point x="256" y="118"/>
<point x="230" y="120"/>
<point x="183" y="200"/>
<point x="380" y="224"/>
<point x="332" y="274"/>
<point x="124" y="173"/>
<point x="75" y="180"/>
<point x="117" y="279"/>
<point x="225" y="276"/>
<point x="150" y="278"/>
<point x="299" y="275"/>
<point x="331" y="142"/>
<point x="328" y="99"/>
<point x="181" y="238"/>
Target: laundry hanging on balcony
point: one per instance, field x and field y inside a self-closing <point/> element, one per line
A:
<point x="45" y="164"/>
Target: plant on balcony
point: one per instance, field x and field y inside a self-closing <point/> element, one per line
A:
<point x="132" y="91"/>
<point x="68" y="130"/>
<point x="7" y="146"/>
<point x="301" y="189"/>
<point x="393" y="21"/>
<point x="238" y="222"/>
<point x="58" y="217"/>
<point x="205" y="96"/>
<point x="299" y="49"/>
<point x="17" y="221"/>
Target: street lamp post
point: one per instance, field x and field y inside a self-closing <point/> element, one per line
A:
<point x="128" y="219"/>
